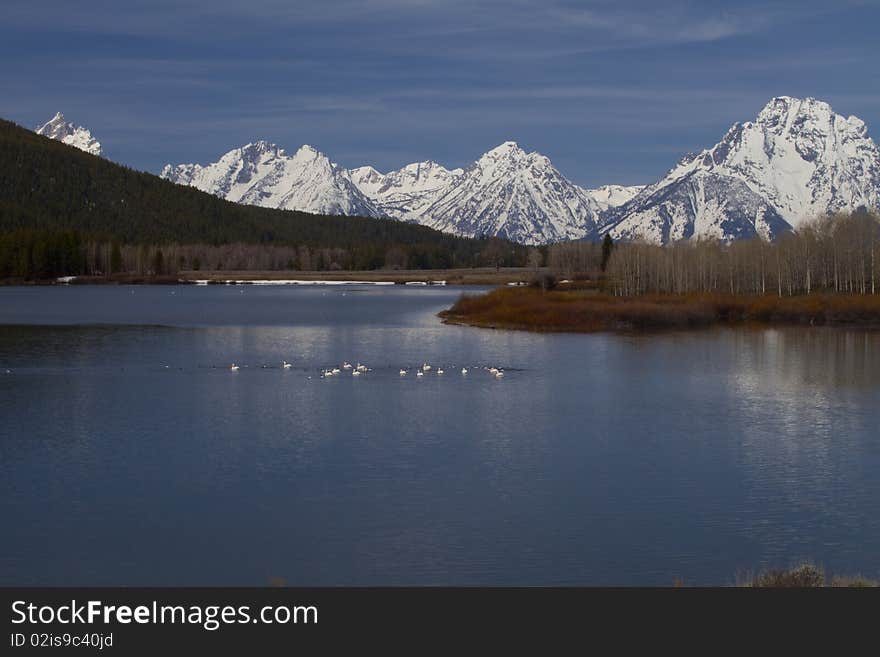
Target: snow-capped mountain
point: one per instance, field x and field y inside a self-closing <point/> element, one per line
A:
<point x="798" y="160"/>
<point x="263" y="174"/>
<point x="507" y="192"/>
<point x="405" y="193"/>
<point x="73" y="135"/>
<point x="512" y="194"/>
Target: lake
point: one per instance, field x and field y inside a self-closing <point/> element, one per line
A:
<point x="130" y="454"/>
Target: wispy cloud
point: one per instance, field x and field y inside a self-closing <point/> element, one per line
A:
<point x="596" y="24"/>
<point x="599" y="85"/>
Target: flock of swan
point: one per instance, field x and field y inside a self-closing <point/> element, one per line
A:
<point x="346" y="366"/>
<point x="426" y="368"/>
<point x="359" y="369"/>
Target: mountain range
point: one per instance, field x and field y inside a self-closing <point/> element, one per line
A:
<point x="797" y="160"/>
<point x="507" y="192"/>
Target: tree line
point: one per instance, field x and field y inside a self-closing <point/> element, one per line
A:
<point x="830" y="254"/>
<point x="43" y="254"/>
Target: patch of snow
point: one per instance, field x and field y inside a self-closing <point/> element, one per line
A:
<point x="611" y="196"/>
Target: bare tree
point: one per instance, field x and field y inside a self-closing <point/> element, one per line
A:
<point x="829" y="254"/>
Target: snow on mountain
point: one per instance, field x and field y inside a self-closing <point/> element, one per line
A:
<point x="405" y="193"/>
<point x="798" y="160"/>
<point x="698" y="205"/>
<point x="263" y="174"/>
<point x="67" y="133"/>
<point x="367" y="179"/>
<point x="512" y="194"/>
<point x="610" y="196"/>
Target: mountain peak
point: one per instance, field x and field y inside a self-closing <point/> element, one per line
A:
<point x="262" y="174"/>
<point x="504" y="156"/>
<point x="425" y="164"/>
<point x="785" y="109"/>
<point x="366" y="170"/>
<point x="59" y="129"/>
<point x="505" y="148"/>
<point x="516" y="195"/>
<point x="260" y="146"/>
<point x="798" y="160"/>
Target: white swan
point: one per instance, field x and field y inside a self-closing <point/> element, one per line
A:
<point x="234" y="367"/>
<point x="426" y="367"/>
<point x="439" y="370"/>
<point x="285" y="364"/>
<point x="499" y="374"/>
<point x="464" y="371"/>
<point x="356" y="373"/>
<point x="420" y="373"/>
<point x="346" y="365"/>
<point x="402" y="372"/>
<point x="361" y="368"/>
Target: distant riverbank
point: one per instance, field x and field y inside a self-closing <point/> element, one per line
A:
<point x="587" y="311"/>
<point x="464" y="276"/>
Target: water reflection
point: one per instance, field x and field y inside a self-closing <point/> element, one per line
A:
<point x="809" y="396"/>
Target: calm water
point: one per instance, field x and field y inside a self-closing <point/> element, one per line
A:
<point x="131" y="455"/>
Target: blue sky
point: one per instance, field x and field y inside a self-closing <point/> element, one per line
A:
<point x="610" y="91"/>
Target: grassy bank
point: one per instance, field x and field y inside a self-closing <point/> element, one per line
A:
<point x="529" y="308"/>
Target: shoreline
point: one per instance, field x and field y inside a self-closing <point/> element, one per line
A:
<point x="484" y="276"/>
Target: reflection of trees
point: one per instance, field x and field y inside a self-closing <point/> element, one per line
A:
<point x="804" y="395"/>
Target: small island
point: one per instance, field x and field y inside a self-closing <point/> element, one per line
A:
<point x="575" y="310"/>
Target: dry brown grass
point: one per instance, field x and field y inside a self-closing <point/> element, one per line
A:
<point x="803" y="576"/>
<point x="586" y="310"/>
<point x="806" y="575"/>
<point x="854" y="582"/>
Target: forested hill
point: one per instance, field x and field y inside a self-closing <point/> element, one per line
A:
<point x="49" y="187"/>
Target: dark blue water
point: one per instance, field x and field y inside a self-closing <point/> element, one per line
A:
<point x="131" y="455"/>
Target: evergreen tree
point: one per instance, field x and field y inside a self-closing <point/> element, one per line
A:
<point x="607" y="248"/>
<point x="158" y="263"/>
